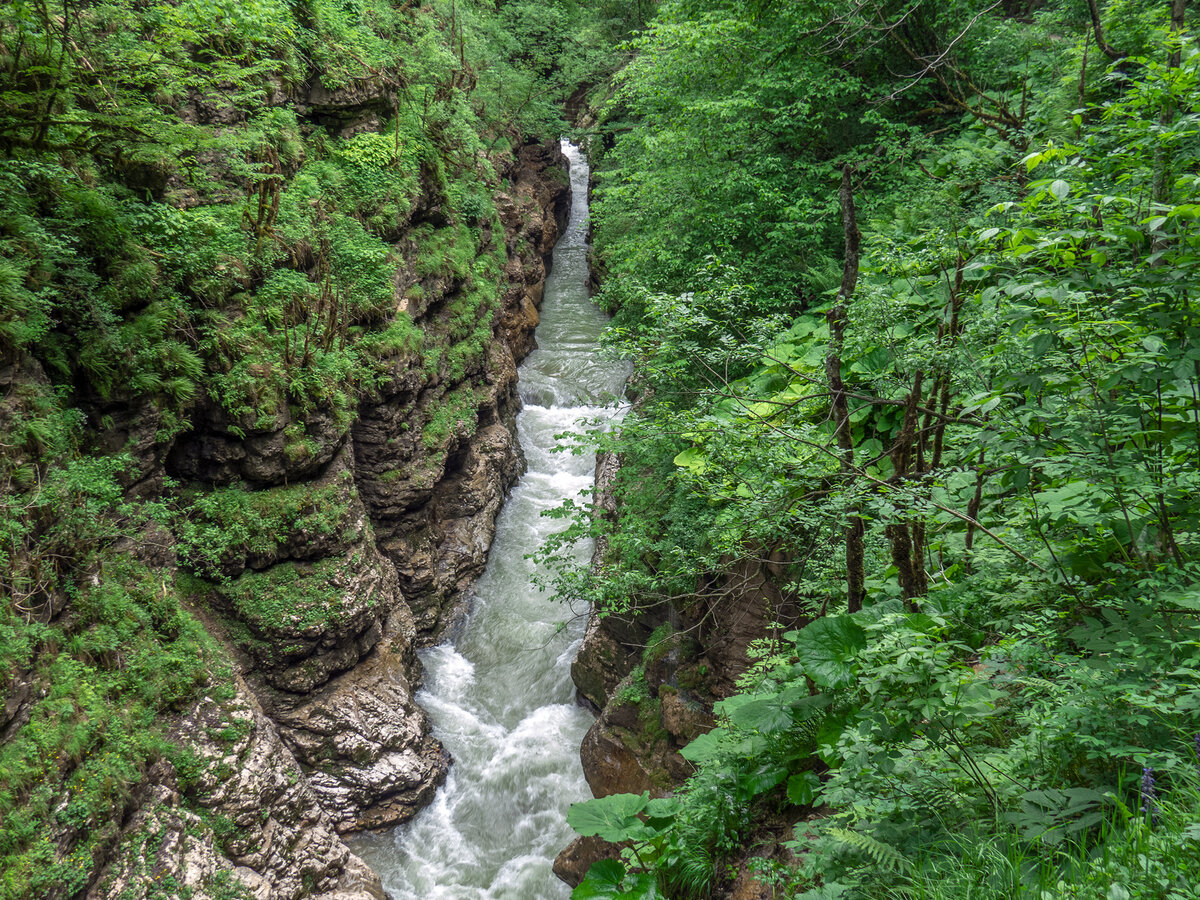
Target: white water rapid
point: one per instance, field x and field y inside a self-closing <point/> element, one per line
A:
<point x="501" y="697"/>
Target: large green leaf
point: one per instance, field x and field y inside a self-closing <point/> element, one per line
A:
<point x="803" y="789"/>
<point x="608" y="878"/>
<point x="827" y="649"/>
<point x="692" y="458"/>
<point x="772" y="713"/>
<point x="613" y="818"/>
<point x="703" y="748"/>
<point x="767" y="715"/>
<point x="763" y="779"/>
<point x="603" y="879"/>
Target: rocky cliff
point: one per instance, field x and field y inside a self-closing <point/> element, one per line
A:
<point x="407" y="512"/>
<point x="281" y="540"/>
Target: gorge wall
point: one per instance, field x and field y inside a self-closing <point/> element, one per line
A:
<point x="283" y="532"/>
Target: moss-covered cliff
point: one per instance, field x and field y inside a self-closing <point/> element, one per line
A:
<point x="267" y="271"/>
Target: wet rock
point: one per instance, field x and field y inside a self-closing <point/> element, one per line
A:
<point x="364" y="742"/>
<point x="611" y="766"/>
<point x="600" y="664"/>
<point x="572" y="864"/>
<point x="685" y="719"/>
<point x="261" y="450"/>
<point x="278" y="843"/>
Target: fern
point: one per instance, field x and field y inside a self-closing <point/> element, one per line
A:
<point x="885" y="856"/>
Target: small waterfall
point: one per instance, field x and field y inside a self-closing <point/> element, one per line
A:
<point x="501" y="697"/>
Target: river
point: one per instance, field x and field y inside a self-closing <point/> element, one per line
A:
<point x="500" y="696"/>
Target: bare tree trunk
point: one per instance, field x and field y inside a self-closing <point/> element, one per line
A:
<point x="1162" y="154"/>
<point x="1098" y="30"/>
<point x="855" y="555"/>
<point x="906" y="539"/>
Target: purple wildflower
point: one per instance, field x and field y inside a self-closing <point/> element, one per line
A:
<point x="1196" y="747"/>
<point x="1149" y="795"/>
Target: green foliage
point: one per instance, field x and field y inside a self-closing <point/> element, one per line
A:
<point x="827" y="649"/>
<point x="609" y="878"/>
<point x="614" y="818"/>
<point x="1017" y="452"/>
<point x="291" y="597"/>
<point x="127" y="659"/>
<point x="225" y="526"/>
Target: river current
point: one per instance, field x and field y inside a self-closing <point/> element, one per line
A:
<point x="500" y="696"/>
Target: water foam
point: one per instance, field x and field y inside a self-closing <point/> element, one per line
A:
<point x="502" y="700"/>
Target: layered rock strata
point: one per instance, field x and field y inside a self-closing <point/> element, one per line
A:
<point x="359" y="538"/>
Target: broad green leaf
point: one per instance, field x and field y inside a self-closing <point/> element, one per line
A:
<point x="642" y="886"/>
<point x="604" y="879"/>
<point x="767" y="715"/>
<point x="613" y="818"/>
<point x="692" y="459"/>
<point x="703" y="748"/>
<point x="661" y="811"/>
<point x="763" y="779"/>
<point x="827" y="649"/>
<point x="802" y="789"/>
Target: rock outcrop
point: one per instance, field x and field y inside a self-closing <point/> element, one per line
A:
<point x="378" y="528"/>
<point x="343" y="543"/>
<point x="268" y="837"/>
<point x="433" y="493"/>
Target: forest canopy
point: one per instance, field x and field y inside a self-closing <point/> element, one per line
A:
<point x="908" y="290"/>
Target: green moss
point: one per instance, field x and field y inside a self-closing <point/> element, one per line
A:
<point x="457" y="414"/>
<point x="651" y="730"/>
<point x="228" y="523"/>
<point x="635" y="691"/>
<point x="658" y="644"/>
<point x="112" y="675"/>
<point x="290" y="596"/>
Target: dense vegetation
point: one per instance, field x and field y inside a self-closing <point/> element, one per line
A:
<point x="200" y="204"/>
<point x="908" y="286"/>
<point x="908" y="289"/>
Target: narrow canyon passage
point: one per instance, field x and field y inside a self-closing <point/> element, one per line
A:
<point x="500" y="696"/>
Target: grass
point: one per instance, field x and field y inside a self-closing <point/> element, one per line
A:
<point x="457" y="414"/>
<point x="292" y="597"/>
<point x="230" y="523"/>
<point x="112" y="674"/>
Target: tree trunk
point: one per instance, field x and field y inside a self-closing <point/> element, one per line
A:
<point x="854" y="530"/>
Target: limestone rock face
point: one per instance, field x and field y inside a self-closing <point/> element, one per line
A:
<point x="259" y="452"/>
<point x="433" y="483"/>
<point x="397" y="516"/>
<point x="277" y="843"/>
<point x="362" y="739"/>
<point x="534" y="213"/>
<point x="348" y="539"/>
<point x="435" y="522"/>
<point x="320" y="547"/>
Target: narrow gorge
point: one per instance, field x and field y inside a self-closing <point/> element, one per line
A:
<point x="641" y="449"/>
<point x="500" y="694"/>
